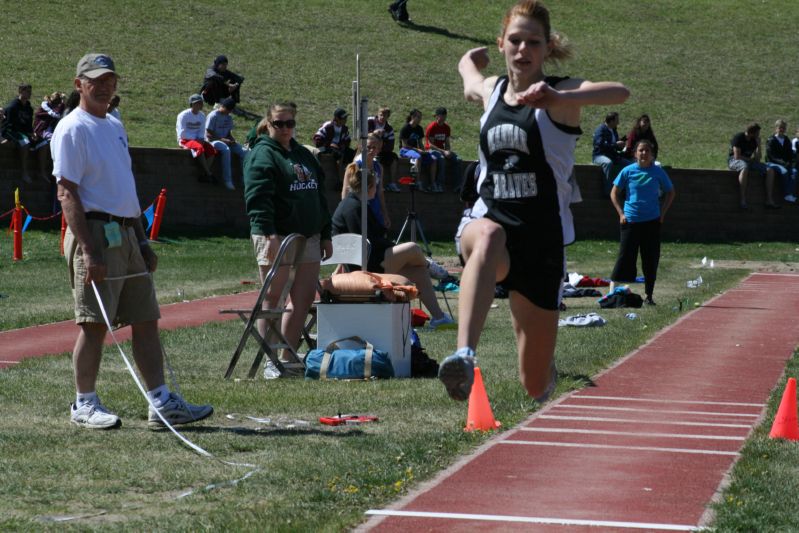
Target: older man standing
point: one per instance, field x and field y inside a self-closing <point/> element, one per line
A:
<point x="105" y="244"/>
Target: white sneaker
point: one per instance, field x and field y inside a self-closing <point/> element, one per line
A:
<point x="436" y="271"/>
<point x="790" y="198"/>
<point x="94" y="416"/>
<point x="291" y="370"/>
<point x="270" y="370"/>
<point x="445" y="322"/>
<point x="176" y="410"/>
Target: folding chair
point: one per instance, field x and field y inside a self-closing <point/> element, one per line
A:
<point x="273" y="339"/>
<point x="346" y="251"/>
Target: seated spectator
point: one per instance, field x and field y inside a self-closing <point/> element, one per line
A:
<point x="411" y="139"/>
<point x="219" y="132"/>
<point x="437" y="137"/>
<point x="608" y="149"/>
<point x="18" y="127"/>
<point x="44" y="123"/>
<point x="642" y="130"/>
<point x="190" y="129"/>
<point x="406" y="259"/>
<point x="113" y="108"/>
<point x="333" y="137"/>
<point x="220" y="83"/>
<point x="378" y="203"/>
<point x="780" y="158"/>
<point x="744" y="158"/>
<point x="387" y="157"/>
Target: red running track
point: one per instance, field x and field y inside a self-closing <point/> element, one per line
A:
<point x="646" y="449"/>
<point x="17" y="344"/>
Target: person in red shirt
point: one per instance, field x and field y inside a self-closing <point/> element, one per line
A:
<point x="437" y="143"/>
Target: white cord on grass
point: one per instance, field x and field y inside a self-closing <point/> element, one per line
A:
<point x="132" y="372"/>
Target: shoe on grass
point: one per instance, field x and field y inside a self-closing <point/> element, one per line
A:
<point x="457" y="374"/>
<point x="445" y="322"/>
<point x="291" y="370"/>
<point x="553" y="382"/>
<point x="94" y="416"/>
<point x="176" y="410"/>
<point x="436" y="270"/>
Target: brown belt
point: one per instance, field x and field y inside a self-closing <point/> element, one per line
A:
<point x="122" y="221"/>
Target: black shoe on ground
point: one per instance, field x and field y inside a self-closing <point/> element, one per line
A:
<point x="649" y="301"/>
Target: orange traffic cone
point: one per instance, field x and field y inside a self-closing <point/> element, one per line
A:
<point x="786" y="425"/>
<point x="480" y="416"/>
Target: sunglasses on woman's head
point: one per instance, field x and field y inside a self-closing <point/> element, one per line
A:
<point x="290" y="123"/>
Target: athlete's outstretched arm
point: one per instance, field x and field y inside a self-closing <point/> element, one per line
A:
<point x="575" y="93"/>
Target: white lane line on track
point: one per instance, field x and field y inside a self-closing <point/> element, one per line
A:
<point x="533" y="520"/>
<point x="649" y="421"/>
<point x="691" y="402"/>
<point x="629" y="433"/>
<point x="9" y="362"/>
<point x="614" y="447"/>
<point x="664" y="411"/>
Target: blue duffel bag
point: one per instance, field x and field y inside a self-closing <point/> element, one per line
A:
<point x="363" y="362"/>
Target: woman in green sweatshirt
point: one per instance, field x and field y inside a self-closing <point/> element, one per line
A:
<point x="284" y="193"/>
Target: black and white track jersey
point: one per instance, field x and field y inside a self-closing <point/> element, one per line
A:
<point x="526" y="161"/>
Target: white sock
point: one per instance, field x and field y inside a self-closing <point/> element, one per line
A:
<point x="82" y="398"/>
<point x="158" y="395"/>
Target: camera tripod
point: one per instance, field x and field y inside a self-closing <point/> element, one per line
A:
<point x="412" y="222"/>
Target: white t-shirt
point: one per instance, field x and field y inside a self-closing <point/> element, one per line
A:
<point x="93" y="153"/>
<point x="190" y="126"/>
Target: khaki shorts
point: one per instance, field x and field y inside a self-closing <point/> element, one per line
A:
<point x="312" y="253"/>
<point x="127" y="301"/>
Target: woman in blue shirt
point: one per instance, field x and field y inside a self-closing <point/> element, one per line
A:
<point x="640" y="216"/>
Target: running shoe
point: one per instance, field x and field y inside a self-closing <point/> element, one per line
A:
<point x="393" y="187"/>
<point x="553" y="381"/>
<point x="457" y="374"/>
<point x="445" y="322"/>
<point x="436" y="270"/>
<point x="176" y="410"/>
<point x="94" y="416"/>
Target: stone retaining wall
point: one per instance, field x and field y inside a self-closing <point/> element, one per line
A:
<point x="706" y="207"/>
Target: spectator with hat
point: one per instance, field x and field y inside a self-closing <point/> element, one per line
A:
<point x="218" y="131"/>
<point x="437" y="137"/>
<point x="190" y="128"/>
<point x="220" y="83"/>
<point x="108" y="254"/>
<point x="333" y="137"/>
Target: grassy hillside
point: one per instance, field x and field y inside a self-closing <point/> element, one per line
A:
<point x="700" y="68"/>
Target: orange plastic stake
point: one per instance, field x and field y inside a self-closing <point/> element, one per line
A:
<point x="63" y="231"/>
<point x="16" y="222"/>
<point x="158" y="215"/>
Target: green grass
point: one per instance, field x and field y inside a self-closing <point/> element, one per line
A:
<point x="701" y="69"/>
<point x="310" y="477"/>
